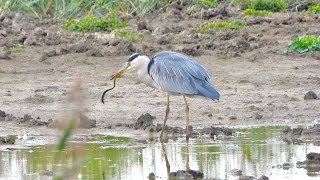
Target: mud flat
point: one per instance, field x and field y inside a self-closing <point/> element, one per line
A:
<point x="259" y="83"/>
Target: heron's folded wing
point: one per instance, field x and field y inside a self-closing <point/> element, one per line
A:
<point x="177" y="73"/>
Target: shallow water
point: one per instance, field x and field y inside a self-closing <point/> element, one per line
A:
<point x="255" y="151"/>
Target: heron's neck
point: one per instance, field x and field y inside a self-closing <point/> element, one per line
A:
<point x="143" y="74"/>
<point x="142" y="65"/>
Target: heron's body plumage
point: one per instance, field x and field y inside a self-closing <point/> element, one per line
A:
<point x="177" y="73"/>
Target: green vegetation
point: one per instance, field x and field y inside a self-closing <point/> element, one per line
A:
<point x="314" y="9"/>
<point x="93" y="23"/>
<point x="222" y="25"/>
<point x="253" y="12"/>
<point x="61" y="146"/>
<point x="80" y="8"/>
<point x="266" y="5"/>
<point x="64" y="152"/>
<point x="304" y="44"/>
<point x="16" y="48"/>
<point x="209" y="3"/>
<point x="129" y="36"/>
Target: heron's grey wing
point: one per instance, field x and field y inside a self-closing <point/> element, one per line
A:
<point x="178" y="73"/>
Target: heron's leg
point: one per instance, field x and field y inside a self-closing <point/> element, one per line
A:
<point x="187" y="118"/>
<point x="166" y="117"/>
<point x="187" y="160"/>
<point x="166" y="159"/>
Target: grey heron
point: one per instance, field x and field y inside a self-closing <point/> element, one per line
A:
<point x="174" y="73"/>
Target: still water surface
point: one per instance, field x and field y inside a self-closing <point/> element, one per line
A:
<point x="255" y="151"/>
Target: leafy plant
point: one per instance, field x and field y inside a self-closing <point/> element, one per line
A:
<point x="222" y="25"/>
<point x="129" y="36"/>
<point x="314" y="9"/>
<point x="267" y="5"/>
<point x="304" y="43"/>
<point x="253" y="12"/>
<point x="93" y="23"/>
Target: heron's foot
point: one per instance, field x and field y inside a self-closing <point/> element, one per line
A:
<point x="187" y="138"/>
<point x="164" y="140"/>
<point x="164" y="137"/>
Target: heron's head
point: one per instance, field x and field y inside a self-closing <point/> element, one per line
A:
<point x="133" y="63"/>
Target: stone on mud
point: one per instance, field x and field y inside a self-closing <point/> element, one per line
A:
<point x="152" y="176"/>
<point x="86" y="123"/>
<point x="286" y="166"/>
<point x="43" y="57"/>
<point x="31" y="41"/>
<point x="51" y="53"/>
<point x="310" y="96"/>
<point x="217" y="131"/>
<point x="2" y="115"/>
<point x="95" y="52"/>
<point x="144" y="121"/>
<point x="312" y="163"/>
<point x="189" y="174"/>
<point x="309" y="134"/>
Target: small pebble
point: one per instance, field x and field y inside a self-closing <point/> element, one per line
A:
<point x="310" y="96"/>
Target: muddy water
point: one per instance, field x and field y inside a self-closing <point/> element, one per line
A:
<point x="255" y="151"/>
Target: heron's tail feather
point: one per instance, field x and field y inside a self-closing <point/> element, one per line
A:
<point x="207" y="90"/>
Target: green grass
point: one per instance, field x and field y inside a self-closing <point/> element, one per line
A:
<point x="64" y="152"/>
<point x="16" y="48"/>
<point x="93" y="23"/>
<point x="222" y="25"/>
<point x="304" y="43"/>
<point x="209" y="3"/>
<point x="253" y="12"/>
<point x="314" y="9"/>
<point x="266" y="5"/>
<point x="81" y="8"/>
<point x="63" y="141"/>
<point x="129" y="36"/>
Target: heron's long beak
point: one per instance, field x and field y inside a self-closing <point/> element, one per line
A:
<point x="121" y="72"/>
